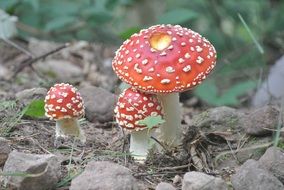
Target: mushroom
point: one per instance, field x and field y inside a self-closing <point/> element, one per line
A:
<point x="132" y="107"/>
<point x="165" y="60"/>
<point x="64" y="104"/>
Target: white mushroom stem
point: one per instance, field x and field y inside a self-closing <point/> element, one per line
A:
<point x="69" y="126"/>
<point x="170" y="131"/>
<point x="140" y="143"/>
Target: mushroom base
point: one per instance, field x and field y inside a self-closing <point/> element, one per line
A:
<point x="69" y="126"/>
<point x="170" y="131"/>
<point x="140" y="143"/>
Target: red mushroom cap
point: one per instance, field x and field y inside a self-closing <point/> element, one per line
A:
<point x="164" y="59"/>
<point x="133" y="106"/>
<point x="63" y="101"/>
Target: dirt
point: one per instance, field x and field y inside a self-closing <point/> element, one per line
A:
<point x="105" y="141"/>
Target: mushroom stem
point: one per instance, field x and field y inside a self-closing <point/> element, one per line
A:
<point x="69" y="126"/>
<point x="170" y="131"/>
<point x="140" y="143"/>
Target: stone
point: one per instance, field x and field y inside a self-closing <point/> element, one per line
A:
<point x="28" y="95"/>
<point x="61" y="70"/>
<point x="251" y="176"/>
<point x="219" y="118"/>
<point x="273" y="161"/>
<point x="271" y="91"/>
<point x="4" y="72"/>
<point x="48" y="166"/>
<point x="261" y="121"/>
<point x="4" y="151"/>
<point x="104" y="175"/>
<point x="165" y="186"/>
<point x="199" y="180"/>
<point x="99" y="103"/>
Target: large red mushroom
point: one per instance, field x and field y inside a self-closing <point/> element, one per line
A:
<point x="64" y="104"/>
<point x="165" y="60"/>
<point x="132" y="107"/>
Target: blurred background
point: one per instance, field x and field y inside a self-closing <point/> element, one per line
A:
<point x="247" y="34"/>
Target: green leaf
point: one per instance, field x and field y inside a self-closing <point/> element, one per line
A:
<point x="8" y="4"/>
<point x="127" y="33"/>
<point x="33" y="3"/>
<point x="177" y="16"/>
<point x="35" y="109"/>
<point x="151" y="121"/>
<point x="60" y="22"/>
<point x="230" y="96"/>
<point x="207" y="92"/>
<point x="123" y="86"/>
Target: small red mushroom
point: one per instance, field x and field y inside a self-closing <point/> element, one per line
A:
<point x="132" y="107"/>
<point x="166" y="60"/>
<point x="64" y="104"/>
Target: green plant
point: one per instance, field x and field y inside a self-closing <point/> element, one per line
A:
<point x="245" y="34"/>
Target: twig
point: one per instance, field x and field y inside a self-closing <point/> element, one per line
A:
<point x="29" y="62"/>
<point x="157" y="173"/>
<point x="11" y="43"/>
<point x="242" y="150"/>
<point x="174" y="167"/>
<point x="232" y="151"/>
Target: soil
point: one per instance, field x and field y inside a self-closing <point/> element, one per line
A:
<point x="105" y="141"/>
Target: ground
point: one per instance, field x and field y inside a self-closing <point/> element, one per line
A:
<point x="207" y="148"/>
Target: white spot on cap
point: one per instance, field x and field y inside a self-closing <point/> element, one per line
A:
<point x="198" y="49"/>
<point x="59" y="100"/>
<point x="129" y="59"/>
<point x="187" y="55"/>
<point x="170" y="47"/>
<point x="150" y="104"/>
<point x="151" y="69"/>
<point x="199" y="60"/>
<point x="165" y="81"/>
<point x="145" y="61"/>
<point x="181" y="60"/>
<point x="163" y="53"/>
<point x="147" y="78"/>
<point x="170" y="69"/>
<point x="187" y="68"/>
<point x="137" y="69"/>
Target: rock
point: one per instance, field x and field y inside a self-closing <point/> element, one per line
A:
<point x="61" y="70"/>
<point x="104" y="175"/>
<point x="165" y="186"/>
<point x="199" y="180"/>
<point x="273" y="161"/>
<point x="28" y="95"/>
<point x="4" y="72"/>
<point x="261" y="121"/>
<point x="46" y="165"/>
<point x="271" y="90"/>
<point x="251" y="176"/>
<point x="99" y="103"/>
<point x="4" y="151"/>
<point x="220" y="118"/>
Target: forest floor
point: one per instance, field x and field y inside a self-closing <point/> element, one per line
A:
<point x="214" y="141"/>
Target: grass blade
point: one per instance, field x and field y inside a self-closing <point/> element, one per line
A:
<point x="259" y="47"/>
